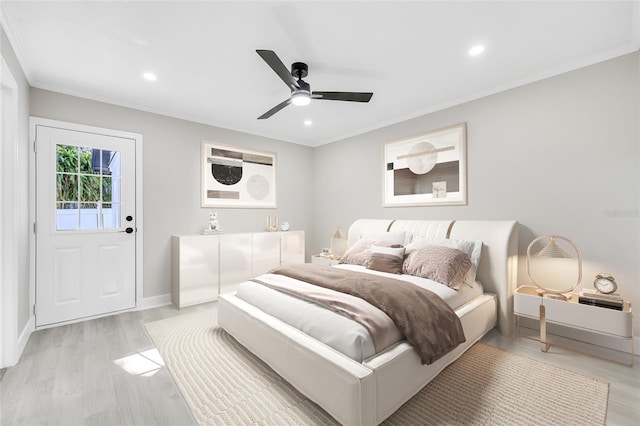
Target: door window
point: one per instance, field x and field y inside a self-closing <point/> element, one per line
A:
<point x="88" y="183"/>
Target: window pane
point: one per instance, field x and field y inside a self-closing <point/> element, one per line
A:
<point x="66" y="187"/>
<point x="85" y="160"/>
<point x="111" y="216"/>
<point x="67" y="158"/>
<point x="115" y="190"/>
<point x="89" y="216"/>
<point x="114" y="163"/>
<point x="89" y="188"/>
<point x="66" y="216"/>
<point x="107" y="183"/>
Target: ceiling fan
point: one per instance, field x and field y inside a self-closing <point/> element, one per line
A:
<point x="301" y="93"/>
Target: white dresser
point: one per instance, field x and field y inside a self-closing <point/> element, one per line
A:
<point x="203" y="266"/>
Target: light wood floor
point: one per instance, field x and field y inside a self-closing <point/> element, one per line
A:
<point x="69" y="376"/>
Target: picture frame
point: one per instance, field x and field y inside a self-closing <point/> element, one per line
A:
<point x="236" y="177"/>
<point x="429" y="169"/>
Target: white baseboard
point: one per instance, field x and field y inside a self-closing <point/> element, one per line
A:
<point x="154" y="302"/>
<point x="29" y="328"/>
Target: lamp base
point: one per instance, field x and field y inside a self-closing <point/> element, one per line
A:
<point x="555" y="296"/>
<point x="565" y="297"/>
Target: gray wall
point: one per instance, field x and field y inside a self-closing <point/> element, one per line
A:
<point x="22" y="187"/>
<point x="171" y="176"/>
<point x="561" y="156"/>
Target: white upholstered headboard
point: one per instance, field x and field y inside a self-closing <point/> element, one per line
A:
<point x="497" y="270"/>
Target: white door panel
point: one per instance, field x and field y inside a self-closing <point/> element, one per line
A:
<point x="85" y="218"/>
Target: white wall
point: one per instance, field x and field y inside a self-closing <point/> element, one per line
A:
<point x="561" y="156"/>
<point x="171" y="181"/>
<point x="20" y="257"/>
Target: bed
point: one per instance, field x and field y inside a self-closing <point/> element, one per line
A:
<point x="367" y="392"/>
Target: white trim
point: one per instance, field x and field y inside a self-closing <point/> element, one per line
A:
<point x="9" y="143"/>
<point x="38" y="121"/>
<point x="29" y="328"/>
<point x="144" y="304"/>
<point x="154" y="302"/>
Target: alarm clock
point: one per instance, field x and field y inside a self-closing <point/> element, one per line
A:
<point x="605" y="284"/>
<point x="284" y="226"/>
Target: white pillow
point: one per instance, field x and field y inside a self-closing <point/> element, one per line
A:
<point x="472" y="248"/>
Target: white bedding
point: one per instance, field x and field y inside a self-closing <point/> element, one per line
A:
<point x="337" y="331"/>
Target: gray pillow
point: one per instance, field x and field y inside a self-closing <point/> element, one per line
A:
<point x="360" y="252"/>
<point x="448" y="266"/>
<point x="472" y="248"/>
<point x="387" y="259"/>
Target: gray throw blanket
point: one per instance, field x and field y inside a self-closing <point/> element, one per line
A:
<point x="425" y="320"/>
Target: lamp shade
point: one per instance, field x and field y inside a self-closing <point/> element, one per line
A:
<point x="338" y="242"/>
<point x="552" y="249"/>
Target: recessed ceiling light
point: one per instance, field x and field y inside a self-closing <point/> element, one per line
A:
<point x="308" y="122"/>
<point x="150" y="76"/>
<point x="476" y="50"/>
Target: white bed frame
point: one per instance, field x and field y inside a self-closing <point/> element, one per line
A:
<point x="367" y="393"/>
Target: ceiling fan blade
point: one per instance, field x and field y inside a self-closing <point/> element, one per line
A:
<point x="276" y="64"/>
<point x="343" y="96"/>
<point x="275" y="109"/>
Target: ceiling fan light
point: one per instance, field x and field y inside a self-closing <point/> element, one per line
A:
<point x="300" y="97"/>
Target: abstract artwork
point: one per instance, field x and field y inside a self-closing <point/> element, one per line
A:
<point x="426" y="170"/>
<point x="237" y="177"/>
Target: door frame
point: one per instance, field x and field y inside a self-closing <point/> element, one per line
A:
<point x="10" y="345"/>
<point x="38" y="121"/>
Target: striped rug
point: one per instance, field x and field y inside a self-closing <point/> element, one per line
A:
<point x="224" y="384"/>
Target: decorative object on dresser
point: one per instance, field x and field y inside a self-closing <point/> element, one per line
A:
<point x="551" y="249"/>
<point x="426" y="170"/>
<point x="213" y="226"/>
<point x="237" y="177"/>
<point x="272" y="223"/>
<point x="338" y="242"/>
<point x="284" y="226"/>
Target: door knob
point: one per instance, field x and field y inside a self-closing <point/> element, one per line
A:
<point x="128" y="230"/>
<point x="129" y="218"/>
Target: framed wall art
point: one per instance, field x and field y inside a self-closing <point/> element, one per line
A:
<point x="237" y="177"/>
<point x="429" y="169"/>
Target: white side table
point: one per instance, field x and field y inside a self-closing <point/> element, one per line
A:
<point x="570" y="313"/>
<point x="318" y="259"/>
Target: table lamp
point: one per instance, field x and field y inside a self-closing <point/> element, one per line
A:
<point x="551" y="249"/>
<point x="338" y="242"/>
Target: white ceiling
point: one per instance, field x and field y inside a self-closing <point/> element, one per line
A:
<point x="412" y="55"/>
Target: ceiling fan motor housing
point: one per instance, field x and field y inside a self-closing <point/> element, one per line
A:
<point x="299" y="70"/>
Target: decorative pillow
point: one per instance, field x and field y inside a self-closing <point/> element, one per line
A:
<point x="472" y="248"/>
<point x="445" y="265"/>
<point x="387" y="259"/>
<point x="360" y="252"/>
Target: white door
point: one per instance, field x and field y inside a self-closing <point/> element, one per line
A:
<point x="85" y="224"/>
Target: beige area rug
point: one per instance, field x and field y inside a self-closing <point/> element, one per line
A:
<point x="224" y="384"/>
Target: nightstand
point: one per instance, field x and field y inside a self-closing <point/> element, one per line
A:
<point x="318" y="259"/>
<point x="569" y="313"/>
